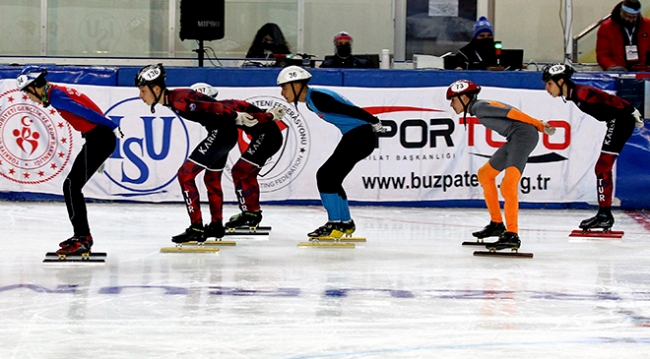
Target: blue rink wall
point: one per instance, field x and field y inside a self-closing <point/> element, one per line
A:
<point x="633" y="174"/>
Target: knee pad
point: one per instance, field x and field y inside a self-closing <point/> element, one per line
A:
<point x="243" y="169"/>
<point x="188" y="171"/>
<point x="605" y="164"/>
<point x="510" y="183"/>
<point x="487" y="173"/>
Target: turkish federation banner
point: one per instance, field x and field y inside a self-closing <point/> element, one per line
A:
<point x="428" y="153"/>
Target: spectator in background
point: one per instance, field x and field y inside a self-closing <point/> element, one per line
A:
<point x="343" y="57"/>
<point x="478" y="54"/>
<point x="623" y="40"/>
<point x="268" y="41"/>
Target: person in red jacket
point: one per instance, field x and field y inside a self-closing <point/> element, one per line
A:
<point x="623" y="40"/>
<point x="99" y="133"/>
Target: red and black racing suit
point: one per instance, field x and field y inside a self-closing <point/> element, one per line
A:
<point x="617" y="114"/>
<point x="210" y="154"/>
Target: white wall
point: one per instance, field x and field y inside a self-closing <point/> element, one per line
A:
<point x="536" y="26"/>
<point x="140" y="27"/>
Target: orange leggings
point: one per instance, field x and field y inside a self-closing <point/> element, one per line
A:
<point x="509" y="191"/>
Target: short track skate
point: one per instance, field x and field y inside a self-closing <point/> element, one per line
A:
<point x="216" y="242"/>
<point x="514" y="252"/>
<point x="197" y="247"/>
<point x="332" y="242"/>
<point x="596" y="233"/>
<point x="248" y="231"/>
<point x="93" y="257"/>
<point x="477" y="242"/>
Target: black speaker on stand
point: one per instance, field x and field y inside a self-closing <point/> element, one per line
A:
<point x="202" y="20"/>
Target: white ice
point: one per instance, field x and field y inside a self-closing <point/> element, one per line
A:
<point x="410" y="291"/>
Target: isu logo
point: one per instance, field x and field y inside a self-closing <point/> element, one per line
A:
<point x="35" y="143"/>
<point x="290" y="160"/>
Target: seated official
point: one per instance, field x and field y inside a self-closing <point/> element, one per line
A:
<point x="343" y="57"/>
<point x="479" y="53"/>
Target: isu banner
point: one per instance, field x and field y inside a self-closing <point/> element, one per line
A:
<point x="428" y="153"/>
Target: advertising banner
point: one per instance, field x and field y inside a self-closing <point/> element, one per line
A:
<point x="428" y="153"/>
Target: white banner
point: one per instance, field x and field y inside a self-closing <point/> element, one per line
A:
<point x="428" y="154"/>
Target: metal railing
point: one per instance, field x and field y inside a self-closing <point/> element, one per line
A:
<point x="583" y="33"/>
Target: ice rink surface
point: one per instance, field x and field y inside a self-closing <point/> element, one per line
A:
<point x="410" y="291"/>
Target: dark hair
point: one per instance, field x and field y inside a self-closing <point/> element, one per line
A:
<point x="632" y="4"/>
<point x="257" y="50"/>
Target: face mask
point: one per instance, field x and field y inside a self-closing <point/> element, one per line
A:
<point x="484" y="45"/>
<point x="344" y="50"/>
<point x="268" y="46"/>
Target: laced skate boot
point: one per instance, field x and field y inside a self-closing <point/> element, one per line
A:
<point x="214" y="230"/>
<point x="494" y="229"/>
<point x="245" y="219"/>
<point x="323" y="231"/>
<point x="603" y="219"/>
<point x="194" y="232"/>
<point x="506" y="240"/>
<point x="76" y="245"/>
<point x="348" y="227"/>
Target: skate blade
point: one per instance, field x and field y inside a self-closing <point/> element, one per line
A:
<point x="478" y="242"/>
<point x="342" y="239"/>
<point x="328" y="244"/>
<point x="197" y="249"/>
<point x="212" y="243"/>
<point x="92" y="255"/>
<point x="596" y="233"/>
<point x="246" y="228"/>
<point x="494" y="253"/>
<point x="246" y="232"/>
<point x="97" y="258"/>
<point x="70" y="260"/>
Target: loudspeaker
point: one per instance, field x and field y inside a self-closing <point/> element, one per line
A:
<point x="202" y="19"/>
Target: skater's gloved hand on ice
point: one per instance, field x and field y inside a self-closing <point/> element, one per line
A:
<point x="548" y="129"/>
<point x="245" y="119"/>
<point x="638" y="120"/>
<point x="118" y="132"/>
<point x="277" y="112"/>
<point x="378" y="127"/>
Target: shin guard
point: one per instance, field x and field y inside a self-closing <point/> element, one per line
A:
<point x="510" y="192"/>
<point x="604" y="182"/>
<point x="212" y="181"/>
<point x="486" y="176"/>
<point x="186" y="177"/>
<point x="247" y="189"/>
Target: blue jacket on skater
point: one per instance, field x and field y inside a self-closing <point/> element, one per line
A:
<point x="358" y="128"/>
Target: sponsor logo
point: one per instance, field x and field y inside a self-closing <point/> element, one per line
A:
<point x="35" y="143"/>
<point x="136" y="165"/>
<point x="281" y="168"/>
<point x="435" y="134"/>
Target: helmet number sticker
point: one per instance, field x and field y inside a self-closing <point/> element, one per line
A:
<point x="459" y="86"/>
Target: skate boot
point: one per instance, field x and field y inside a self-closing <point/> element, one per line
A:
<point x="76" y="245"/>
<point x="348" y="228"/>
<point x="194" y="232"/>
<point x="323" y="231"/>
<point x="506" y="240"/>
<point x="245" y="219"/>
<point x="215" y="230"/>
<point x="494" y="229"/>
<point x="603" y="219"/>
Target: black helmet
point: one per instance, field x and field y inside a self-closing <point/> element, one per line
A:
<point x="557" y="71"/>
<point x="151" y="75"/>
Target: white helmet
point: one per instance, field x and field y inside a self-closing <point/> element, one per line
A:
<point x="205" y="89"/>
<point x="31" y="75"/>
<point x="293" y="74"/>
